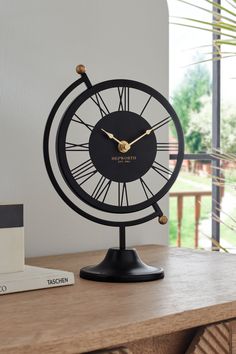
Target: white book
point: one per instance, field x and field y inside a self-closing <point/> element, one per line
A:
<point x="33" y="278"/>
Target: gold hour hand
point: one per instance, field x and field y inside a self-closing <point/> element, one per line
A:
<point x="147" y="132"/>
<point x="123" y="146"/>
<point x="111" y="136"/>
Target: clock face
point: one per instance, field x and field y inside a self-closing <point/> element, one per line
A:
<point x="104" y="152"/>
<point x="112" y="146"/>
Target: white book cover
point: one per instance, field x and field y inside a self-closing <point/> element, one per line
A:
<point x="33" y="278"/>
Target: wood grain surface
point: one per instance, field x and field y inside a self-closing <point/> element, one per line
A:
<point x="121" y="350"/>
<point x="212" y="339"/>
<point x="199" y="288"/>
<point x="174" y="343"/>
<point x="233" y="333"/>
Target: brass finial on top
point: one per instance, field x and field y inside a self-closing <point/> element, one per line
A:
<point x="80" y="69"/>
<point x="163" y="220"/>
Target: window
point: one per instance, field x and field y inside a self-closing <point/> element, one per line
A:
<point x="195" y="92"/>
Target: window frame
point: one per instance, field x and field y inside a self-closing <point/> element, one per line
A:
<point x="216" y="117"/>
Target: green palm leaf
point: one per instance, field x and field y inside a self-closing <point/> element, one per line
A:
<point x="214" y="25"/>
<point x="208" y="11"/>
<point x="224" y="26"/>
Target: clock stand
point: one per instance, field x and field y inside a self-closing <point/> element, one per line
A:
<point x="120" y="264"/>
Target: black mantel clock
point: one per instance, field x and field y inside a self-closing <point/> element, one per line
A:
<point x="113" y="153"/>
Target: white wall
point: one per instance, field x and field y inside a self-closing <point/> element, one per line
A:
<point x="41" y="43"/>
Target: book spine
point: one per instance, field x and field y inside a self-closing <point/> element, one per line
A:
<point x="50" y="281"/>
<point x="12" y="258"/>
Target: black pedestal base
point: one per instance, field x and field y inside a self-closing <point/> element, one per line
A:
<point x="121" y="266"/>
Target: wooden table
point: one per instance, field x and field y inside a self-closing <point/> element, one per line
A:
<point x="162" y="316"/>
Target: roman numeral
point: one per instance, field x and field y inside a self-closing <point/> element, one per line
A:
<point x="84" y="171"/>
<point x="77" y="119"/>
<point x="101" y="189"/>
<point x="77" y="147"/>
<point x="146" y="104"/>
<point x="123" y="98"/>
<point x="161" y="123"/>
<point x="161" y="170"/>
<point x="122" y="195"/>
<point x="146" y="189"/>
<point x="99" y="101"/>
<point x="167" y="147"/>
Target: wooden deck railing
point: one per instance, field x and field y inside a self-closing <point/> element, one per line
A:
<point x="197" y="205"/>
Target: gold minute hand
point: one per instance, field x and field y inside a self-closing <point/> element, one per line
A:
<point x="111" y="136"/>
<point x="147" y="132"/>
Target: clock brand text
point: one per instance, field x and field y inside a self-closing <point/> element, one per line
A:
<point x="123" y="159"/>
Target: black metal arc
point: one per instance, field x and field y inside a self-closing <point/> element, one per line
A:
<point x="61" y="138"/>
<point x="51" y="175"/>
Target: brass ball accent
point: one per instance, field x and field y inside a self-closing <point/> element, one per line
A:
<point x="80" y="69"/>
<point x="163" y="220"/>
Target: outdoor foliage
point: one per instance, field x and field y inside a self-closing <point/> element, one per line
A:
<point x="200" y="127"/>
<point x="187" y="99"/>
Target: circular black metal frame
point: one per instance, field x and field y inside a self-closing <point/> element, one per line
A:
<point x="61" y="152"/>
